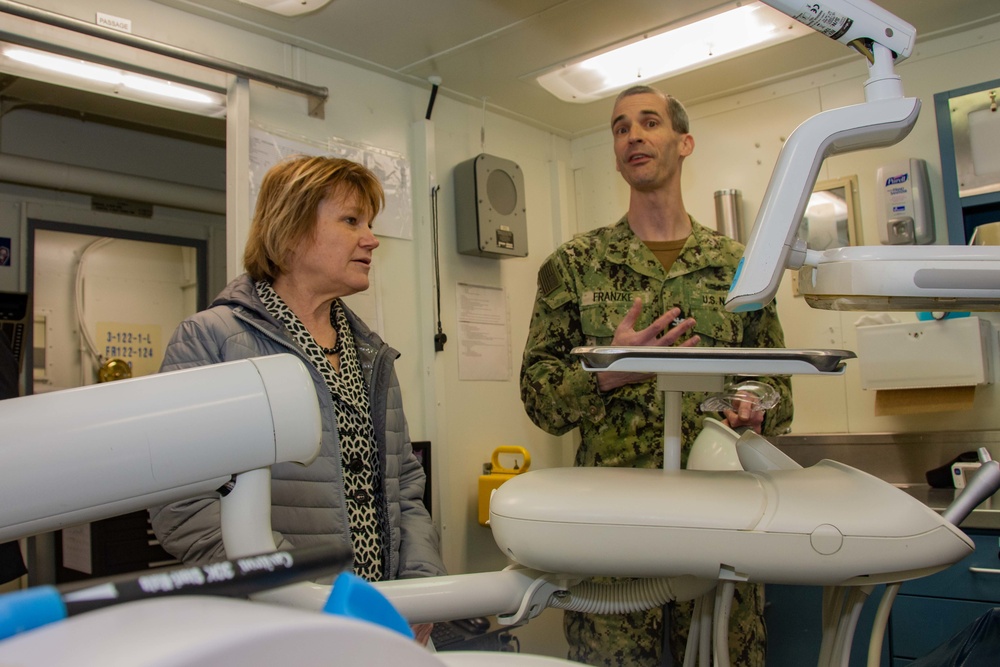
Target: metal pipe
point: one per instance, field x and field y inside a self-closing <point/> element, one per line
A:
<point x="71" y="178"/>
<point x="317" y="95"/>
<point x="729" y="214"/>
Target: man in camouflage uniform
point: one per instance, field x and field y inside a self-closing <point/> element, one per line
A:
<point x="656" y="277"/>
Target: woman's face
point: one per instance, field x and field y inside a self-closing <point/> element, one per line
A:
<point x="336" y="259"/>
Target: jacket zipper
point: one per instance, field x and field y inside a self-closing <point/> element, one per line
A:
<point x="239" y="313"/>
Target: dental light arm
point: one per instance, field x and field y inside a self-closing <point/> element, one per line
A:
<point x="79" y="455"/>
<point x="884" y="119"/>
<point x="856" y="23"/>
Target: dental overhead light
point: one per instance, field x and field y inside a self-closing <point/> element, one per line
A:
<point x="939" y="278"/>
<point x="676" y="49"/>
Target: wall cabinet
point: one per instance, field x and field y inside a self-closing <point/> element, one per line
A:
<point x="794" y="627"/>
<point x="968" y="136"/>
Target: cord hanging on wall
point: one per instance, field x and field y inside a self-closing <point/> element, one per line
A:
<point x="435" y="82"/>
<point x="439" y="338"/>
<point x="482" y="129"/>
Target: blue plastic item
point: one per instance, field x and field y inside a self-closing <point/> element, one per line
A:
<point x="29" y="609"/>
<point x="354" y="597"/>
<point x="925" y="315"/>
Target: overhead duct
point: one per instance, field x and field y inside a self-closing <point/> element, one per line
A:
<point x="84" y="180"/>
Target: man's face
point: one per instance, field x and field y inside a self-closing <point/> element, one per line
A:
<point x="648" y="152"/>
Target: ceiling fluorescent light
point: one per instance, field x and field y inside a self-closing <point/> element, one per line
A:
<point x="75" y="68"/>
<point x="165" y="89"/>
<point x="676" y="49"/>
<point x="287" y="7"/>
<point x="115" y="79"/>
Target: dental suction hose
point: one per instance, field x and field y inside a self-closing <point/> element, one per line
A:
<point x="629" y="596"/>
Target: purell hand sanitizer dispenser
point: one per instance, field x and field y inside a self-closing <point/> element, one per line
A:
<point x="904" y="203"/>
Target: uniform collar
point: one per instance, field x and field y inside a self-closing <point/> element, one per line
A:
<point x="624" y="247"/>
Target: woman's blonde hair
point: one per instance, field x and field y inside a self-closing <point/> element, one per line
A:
<point x="289" y="200"/>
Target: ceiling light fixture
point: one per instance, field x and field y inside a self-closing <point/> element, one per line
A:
<point x="676" y="49"/>
<point x="287" y="7"/>
<point x="112" y="77"/>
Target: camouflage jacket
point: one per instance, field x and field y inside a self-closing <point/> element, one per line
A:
<point x="584" y="290"/>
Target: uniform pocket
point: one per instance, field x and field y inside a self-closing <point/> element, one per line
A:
<point x="715" y="324"/>
<point x="598" y="321"/>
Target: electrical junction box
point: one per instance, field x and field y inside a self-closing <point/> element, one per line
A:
<point x="489" y="208"/>
<point x="903" y="208"/>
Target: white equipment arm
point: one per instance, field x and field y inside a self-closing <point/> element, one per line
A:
<point x="79" y="455"/>
<point x="885" y="118"/>
<point x="852" y="22"/>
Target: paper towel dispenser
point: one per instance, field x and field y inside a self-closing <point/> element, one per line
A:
<point x="935" y="353"/>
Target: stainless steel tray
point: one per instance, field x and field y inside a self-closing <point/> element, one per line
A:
<point x="714" y="360"/>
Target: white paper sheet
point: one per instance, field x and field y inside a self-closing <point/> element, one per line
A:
<point x="393" y="171"/>
<point x="483" y="333"/>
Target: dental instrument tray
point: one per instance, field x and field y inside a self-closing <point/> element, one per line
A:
<point x="714" y="360"/>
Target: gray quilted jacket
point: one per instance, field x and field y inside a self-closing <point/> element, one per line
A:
<point x="308" y="506"/>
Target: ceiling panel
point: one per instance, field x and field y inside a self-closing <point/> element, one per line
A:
<point x="487" y="49"/>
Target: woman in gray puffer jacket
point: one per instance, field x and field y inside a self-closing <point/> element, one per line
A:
<point x="310" y="244"/>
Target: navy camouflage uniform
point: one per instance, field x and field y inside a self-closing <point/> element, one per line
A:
<point x="585" y="288"/>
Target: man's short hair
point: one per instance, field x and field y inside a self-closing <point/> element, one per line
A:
<point x="678" y="114"/>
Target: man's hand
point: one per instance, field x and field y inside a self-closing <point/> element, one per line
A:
<point x="659" y="333"/>
<point x="744" y="415"/>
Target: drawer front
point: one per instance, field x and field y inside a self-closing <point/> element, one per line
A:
<point x="975" y="577"/>
<point x="919" y="625"/>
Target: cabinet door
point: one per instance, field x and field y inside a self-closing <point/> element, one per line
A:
<point x="794" y="616"/>
<point x="975" y="577"/>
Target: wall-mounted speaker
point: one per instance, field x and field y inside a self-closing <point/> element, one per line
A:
<point x="489" y="208"/>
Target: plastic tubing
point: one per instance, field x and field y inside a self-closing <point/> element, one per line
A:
<point x="879" y="625"/>
<point x="629" y="596"/>
<point x="691" y="647"/>
<point x="723" y="607"/>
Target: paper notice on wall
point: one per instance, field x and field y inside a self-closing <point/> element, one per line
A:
<point x="483" y="333"/>
<point x="267" y="148"/>
<point x="139" y="345"/>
